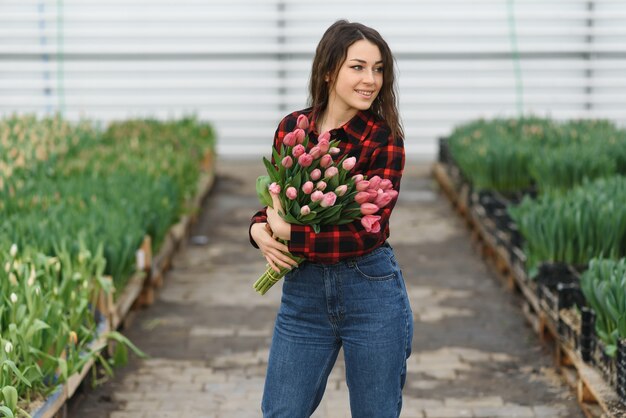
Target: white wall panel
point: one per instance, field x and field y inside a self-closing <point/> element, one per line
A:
<point x="243" y="64"/>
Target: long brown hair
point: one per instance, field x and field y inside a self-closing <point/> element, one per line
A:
<point x="331" y="53"/>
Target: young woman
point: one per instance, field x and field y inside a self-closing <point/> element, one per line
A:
<point x="350" y="291"/>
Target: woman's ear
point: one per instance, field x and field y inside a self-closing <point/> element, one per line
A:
<point x="327" y="77"/>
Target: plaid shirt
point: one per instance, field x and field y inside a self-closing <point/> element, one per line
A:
<point x="368" y="139"/>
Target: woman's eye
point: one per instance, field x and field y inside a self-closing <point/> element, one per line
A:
<point x="357" y="67"/>
<point x="378" y="69"/>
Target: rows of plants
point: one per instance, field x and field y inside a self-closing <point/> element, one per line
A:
<point x="555" y="192"/>
<point x="75" y="204"/>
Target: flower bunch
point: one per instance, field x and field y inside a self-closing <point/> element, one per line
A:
<point x="316" y="188"/>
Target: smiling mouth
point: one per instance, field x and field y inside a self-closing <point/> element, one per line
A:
<point x="365" y="93"/>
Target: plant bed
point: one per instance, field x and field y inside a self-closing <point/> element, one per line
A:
<point x="621" y="370"/>
<point x="557" y="288"/>
<point x="604" y="363"/>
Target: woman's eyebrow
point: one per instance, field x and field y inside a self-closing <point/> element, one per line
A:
<point x="365" y="62"/>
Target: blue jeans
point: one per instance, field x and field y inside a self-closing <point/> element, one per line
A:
<point x="360" y="304"/>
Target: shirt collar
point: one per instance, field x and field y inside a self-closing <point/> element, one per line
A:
<point x="358" y="127"/>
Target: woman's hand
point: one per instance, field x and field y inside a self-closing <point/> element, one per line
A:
<point x="275" y="252"/>
<point x="280" y="227"/>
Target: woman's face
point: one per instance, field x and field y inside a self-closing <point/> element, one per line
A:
<point x="359" y="79"/>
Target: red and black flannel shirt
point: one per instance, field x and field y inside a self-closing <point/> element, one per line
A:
<point x="367" y="138"/>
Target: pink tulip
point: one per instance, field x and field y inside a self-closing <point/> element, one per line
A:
<point x="362" y="185"/>
<point x="307" y="187"/>
<point x="392" y="193"/>
<point x="303" y="122"/>
<point x="274" y="188"/>
<point x="316" y="152"/>
<point x="321" y="185"/>
<point x="375" y="182"/>
<point x="341" y="190"/>
<point x="349" y="163"/>
<point x="300" y="134"/>
<point x="305" y="210"/>
<point x="316" y="174"/>
<point x="386" y="184"/>
<point x="325" y="136"/>
<point x="382" y="200"/>
<point x="291" y="193"/>
<point x="290" y="139"/>
<point x="287" y="162"/>
<point x="324" y="145"/>
<point x="334" y="151"/>
<point x="370" y="223"/>
<point x="298" y="150"/>
<point x="362" y="197"/>
<point x="369" y="208"/>
<point x="326" y="161"/>
<point x="317" y="195"/>
<point x="305" y="160"/>
<point x="373" y="194"/>
<point x="329" y="199"/>
<point x="331" y="172"/>
<point x="358" y="177"/>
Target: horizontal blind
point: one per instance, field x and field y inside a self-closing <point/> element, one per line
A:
<point x="244" y="64"/>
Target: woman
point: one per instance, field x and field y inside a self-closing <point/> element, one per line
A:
<point x="349" y="292"/>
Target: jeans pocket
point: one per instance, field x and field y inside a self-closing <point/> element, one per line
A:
<point x="378" y="266"/>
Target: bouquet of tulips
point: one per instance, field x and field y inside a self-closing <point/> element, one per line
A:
<point x="316" y="190"/>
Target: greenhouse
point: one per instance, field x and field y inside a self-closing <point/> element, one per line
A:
<point x="334" y="209"/>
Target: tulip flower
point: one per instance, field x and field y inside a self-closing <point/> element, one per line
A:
<point x="369" y="208"/>
<point x="325" y="136"/>
<point x="305" y="210"/>
<point x="349" y="163"/>
<point x="324" y="145"/>
<point x="370" y="223"/>
<point x="274" y="188"/>
<point x="321" y="185"/>
<point x="303" y="122"/>
<point x="290" y="139"/>
<point x="317" y="195"/>
<point x="334" y="151"/>
<point x="373" y="194"/>
<point x="362" y="185"/>
<point x="341" y="190"/>
<point x="326" y="161"/>
<point x="331" y="172"/>
<point x="392" y="193"/>
<point x="386" y="184"/>
<point x="362" y="197"/>
<point x="375" y="182"/>
<point x="13" y="297"/>
<point x="8" y="347"/>
<point x="305" y="160"/>
<point x="382" y="200"/>
<point x="316" y="152"/>
<point x="329" y="199"/>
<point x="358" y="177"/>
<point x="73" y="338"/>
<point x="287" y="162"/>
<point x="298" y="150"/>
<point x="300" y="134"/>
<point x="316" y="174"/>
<point x="291" y="193"/>
<point x="308" y="187"/>
<point x="13" y="250"/>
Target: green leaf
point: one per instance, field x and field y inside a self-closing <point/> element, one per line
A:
<point x="262" y="191"/>
<point x="6" y="412"/>
<point x="271" y="170"/>
<point x="10" y="397"/>
<point x="15" y="371"/>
